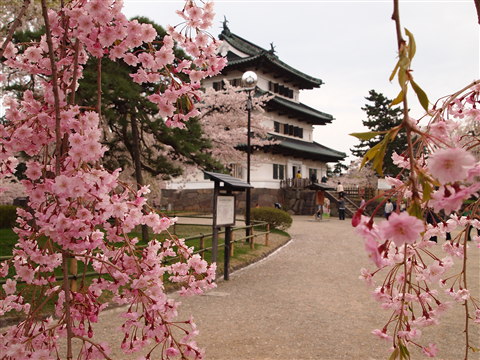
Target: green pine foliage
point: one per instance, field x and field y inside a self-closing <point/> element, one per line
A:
<point x="382" y="117"/>
<point x="123" y="100"/>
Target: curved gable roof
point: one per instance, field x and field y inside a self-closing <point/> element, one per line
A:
<point x="258" y="56"/>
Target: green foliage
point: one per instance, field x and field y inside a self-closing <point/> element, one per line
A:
<point x="8" y="215"/>
<point x="275" y="217"/>
<point x="402" y="68"/>
<point x="338" y="168"/>
<point x="124" y="100"/>
<point x="384" y="138"/>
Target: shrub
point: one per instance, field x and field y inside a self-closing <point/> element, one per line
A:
<point x="8" y="215"/>
<point x="275" y="217"/>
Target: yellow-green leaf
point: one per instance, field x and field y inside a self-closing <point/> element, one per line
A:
<point x="398" y="99"/>
<point x="474" y="349"/>
<point x="394" y="354"/>
<point x="421" y="95"/>
<point x="415" y="210"/>
<point x="367" y="135"/>
<point x="392" y="76"/>
<point x="402" y="79"/>
<point x="404" y="353"/>
<point x="392" y="134"/>
<point x="371" y="154"/>
<point x="427" y="190"/>
<point x="378" y="161"/>
<point x="412" y="47"/>
<point x="404" y="62"/>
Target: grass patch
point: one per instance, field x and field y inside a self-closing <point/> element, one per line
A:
<point x="242" y="256"/>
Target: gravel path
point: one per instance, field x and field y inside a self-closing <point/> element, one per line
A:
<point x="305" y="302"/>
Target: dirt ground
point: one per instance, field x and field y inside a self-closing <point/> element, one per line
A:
<point x="305" y="301"/>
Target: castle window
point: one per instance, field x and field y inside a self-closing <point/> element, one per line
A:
<point x="280" y="89"/>
<point x="276" y="126"/>
<point x="278" y="171"/>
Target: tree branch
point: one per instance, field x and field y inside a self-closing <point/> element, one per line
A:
<point x="58" y="138"/>
<point x="477" y="6"/>
<point x="99" y="87"/>
<point x="58" y="150"/>
<point x="16" y="23"/>
<point x="398" y="29"/>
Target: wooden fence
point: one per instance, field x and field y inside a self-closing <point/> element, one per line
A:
<point x="352" y="191"/>
<point x="202" y="248"/>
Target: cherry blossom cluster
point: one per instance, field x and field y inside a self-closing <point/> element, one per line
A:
<point x="439" y="173"/>
<point x="80" y="214"/>
<point x="223" y="119"/>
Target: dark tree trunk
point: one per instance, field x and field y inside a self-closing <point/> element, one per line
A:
<point x="137" y="163"/>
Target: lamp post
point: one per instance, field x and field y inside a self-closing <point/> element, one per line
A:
<point x="249" y="81"/>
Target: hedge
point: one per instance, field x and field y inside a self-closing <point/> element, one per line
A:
<point x="277" y="218"/>
<point x="8" y="215"/>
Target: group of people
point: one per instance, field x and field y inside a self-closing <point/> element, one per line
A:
<point x="391" y="206"/>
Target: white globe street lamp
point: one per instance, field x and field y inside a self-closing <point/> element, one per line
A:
<point x="249" y="81"/>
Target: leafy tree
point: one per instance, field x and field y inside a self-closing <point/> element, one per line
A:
<point x="135" y="135"/>
<point x="338" y="169"/>
<point x="329" y="171"/>
<point x="224" y="123"/>
<point x="382" y="117"/>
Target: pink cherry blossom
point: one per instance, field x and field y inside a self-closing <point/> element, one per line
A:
<point x="10" y="286"/>
<point x="402" y="228"/>
<point x="382" y="334"/>
<point x="71" y="196"/>
<point x="451" y="164"/>
<point x="431" y="350"/>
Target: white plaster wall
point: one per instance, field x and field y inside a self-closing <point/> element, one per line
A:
<point x="282" y="119"/>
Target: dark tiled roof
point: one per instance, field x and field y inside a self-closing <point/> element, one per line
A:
<point x="300" y="111"/>
<point x="267" y="58"/>
<point x="229" y="181"/>
<point x="305" y="149"/>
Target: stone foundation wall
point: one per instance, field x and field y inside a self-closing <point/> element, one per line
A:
<point x="201" y="200"/>
<point x="299" y="201"/>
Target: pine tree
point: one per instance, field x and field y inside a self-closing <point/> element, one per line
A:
<point x="381" y="117"/>
<point x="135" y="136"/>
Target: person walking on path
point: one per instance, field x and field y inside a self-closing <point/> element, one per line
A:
<point x="340" y="190"/>
<point x="341" y="208"/>
<point x="388" y="208"/>
<point x="319" y="201"/>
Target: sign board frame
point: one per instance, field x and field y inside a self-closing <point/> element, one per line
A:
<point x="225" y="211"/>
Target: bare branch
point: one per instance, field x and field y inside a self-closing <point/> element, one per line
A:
<point x="396" y="18"/>
<point x="477" y="6"/>
<point x="16" y="23"/>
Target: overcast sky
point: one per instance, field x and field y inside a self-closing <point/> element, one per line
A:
<point x="351" y="46"/>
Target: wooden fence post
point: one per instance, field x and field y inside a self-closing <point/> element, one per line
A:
<point x="202" y="245"/>
<point x="266" y="235"/>
<point x="252" y="238"/>
<point x="232" y="245"/>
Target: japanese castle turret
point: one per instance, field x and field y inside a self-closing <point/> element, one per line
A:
<point x="291" y="122"/>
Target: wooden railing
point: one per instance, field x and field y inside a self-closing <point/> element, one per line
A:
<point x="201" y="249"/>
<point x="352" y="191"/>
<point x="294" y="183"/>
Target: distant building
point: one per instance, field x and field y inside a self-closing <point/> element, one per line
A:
<point x="291" y="122"/>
